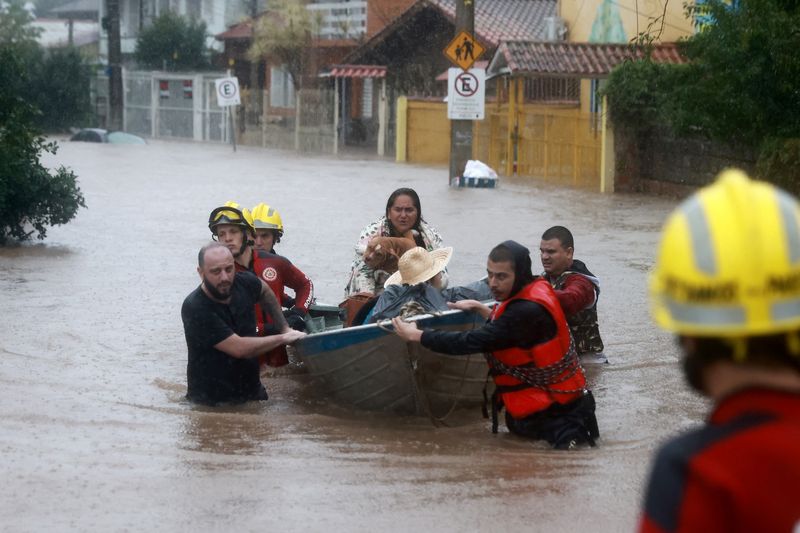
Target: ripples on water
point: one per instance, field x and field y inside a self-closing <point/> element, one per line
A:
<point x="97" y="435"/>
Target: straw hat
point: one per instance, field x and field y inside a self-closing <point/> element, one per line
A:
<point x="418" y="265"/>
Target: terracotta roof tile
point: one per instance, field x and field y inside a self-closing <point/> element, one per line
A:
<point x="495" y="21"/>
<point x="563" y="59"/>
<point x="242" y="30"/>
<point x="504" y="20"/>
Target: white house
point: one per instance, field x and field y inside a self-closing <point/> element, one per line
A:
<point x="137" y="14"/>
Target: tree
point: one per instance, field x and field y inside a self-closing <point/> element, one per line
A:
<point x="31" y="198"/>
<point x="17" y="31"/>
<point x="742" y="83"/>
<point x="57" y="80"/>
<point x="173" y="42"/>
<point x="285" y="34"/>
<point x="15" y="27"/>
<point x="59" y="88"/>
<point x="741" y="86"/>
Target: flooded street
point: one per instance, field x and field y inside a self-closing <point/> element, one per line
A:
<point x="96" y="435"/>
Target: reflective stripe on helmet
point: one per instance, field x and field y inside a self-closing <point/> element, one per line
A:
<point x="786" y="310"/>
<point x="788" y="206"/>
<point x="706" y="315"/>
<point x="702" y="245"/>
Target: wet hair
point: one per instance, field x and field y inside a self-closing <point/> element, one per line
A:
<point x="201" y="255"/>
<point x="520" y="259"/>
<point x="561" y="233"/>
<point x="411" y="193"/>
<point x="763" y="351"/>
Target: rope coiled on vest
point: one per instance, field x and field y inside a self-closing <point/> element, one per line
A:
<point x="541" y="377"/>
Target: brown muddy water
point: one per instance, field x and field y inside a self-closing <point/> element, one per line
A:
<point x="96" y="435"/>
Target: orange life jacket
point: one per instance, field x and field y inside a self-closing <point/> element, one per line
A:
<point x="522" y="399"/>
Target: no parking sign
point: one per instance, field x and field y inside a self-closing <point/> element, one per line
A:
<point x="466" y="92"/>
<point x="227" y="91"/>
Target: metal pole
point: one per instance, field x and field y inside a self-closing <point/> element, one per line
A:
<point x="114" y="66"/>
<point x="461" y="130"/>
<point x="233" y="126"/>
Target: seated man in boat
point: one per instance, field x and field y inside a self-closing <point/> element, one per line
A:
<point x="415" y="287"/>
<point x="577" y="290"/>
<point x="233" y="227"/>
<point x="530" y="353"/>
<point x="220" y="327"/>
<point x="418" y="280"/>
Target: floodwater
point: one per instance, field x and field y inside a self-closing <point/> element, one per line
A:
<point x="96" y="435"/>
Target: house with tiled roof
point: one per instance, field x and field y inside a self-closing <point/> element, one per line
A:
<point x="340" y="26"/>
<point x="411" y="46"/>
<point x="550" y="54"/>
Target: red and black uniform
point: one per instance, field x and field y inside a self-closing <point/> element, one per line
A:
<point x="578" y="291"/>
<point x="740" y="472"/>
<point x="278" y="272"/>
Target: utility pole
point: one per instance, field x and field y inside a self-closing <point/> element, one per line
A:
<point x="255" y="64"/>
<point x="114" y="66"/>
<point x="461" y="130"/>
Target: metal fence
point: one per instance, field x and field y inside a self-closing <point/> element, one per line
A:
<point x="174" y="105"/>
<point x="308" y="127"/>
<point x="557" y="143"/>
<point x="184" y="106"/>
<point x="167" y="105"/>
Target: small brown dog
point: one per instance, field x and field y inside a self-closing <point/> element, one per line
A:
<point x="382" y="253"/>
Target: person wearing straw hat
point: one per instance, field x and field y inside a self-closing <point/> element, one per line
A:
<point x="418" y="279"/>
<point x="531" y="355"/>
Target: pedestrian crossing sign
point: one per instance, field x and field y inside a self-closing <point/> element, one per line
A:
<point x="464" y="50"/>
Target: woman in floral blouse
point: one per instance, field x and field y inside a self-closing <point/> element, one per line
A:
<point x="403" y="218"/>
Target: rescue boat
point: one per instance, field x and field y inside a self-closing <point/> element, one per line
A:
<point x="369" y="367"/>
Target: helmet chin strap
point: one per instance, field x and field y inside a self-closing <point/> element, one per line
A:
<point x="246" y="241"/>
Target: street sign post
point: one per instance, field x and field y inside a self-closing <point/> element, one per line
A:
<point x="466" y="94"/>
<point x="464" y="50"/>
<point x="228" y="95"/>
<point x="227" y="91"/>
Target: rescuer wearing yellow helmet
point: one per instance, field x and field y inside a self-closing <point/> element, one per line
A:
<point x="727" y="282"/>
<point x="229" y="225"/>
<point x="267" y="228"/>
<point x="232" y="225"/>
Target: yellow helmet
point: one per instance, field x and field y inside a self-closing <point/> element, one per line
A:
<point x="729" y="262"/>
<point x="230" y="213"/>
<point x="266" y="217"/>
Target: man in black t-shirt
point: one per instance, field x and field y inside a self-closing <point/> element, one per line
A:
<point x="220" y="327"/>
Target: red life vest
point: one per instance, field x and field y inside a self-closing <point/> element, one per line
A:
<point x="528" y="400"/>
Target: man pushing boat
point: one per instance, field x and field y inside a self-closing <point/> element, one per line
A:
<point x="220" y="327"/>
<point x="531" y="355"/>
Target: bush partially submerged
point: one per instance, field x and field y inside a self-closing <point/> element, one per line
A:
<point x="31" y="198"/>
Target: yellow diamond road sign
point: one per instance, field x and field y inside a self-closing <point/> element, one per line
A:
<point x="464" y="50"/>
